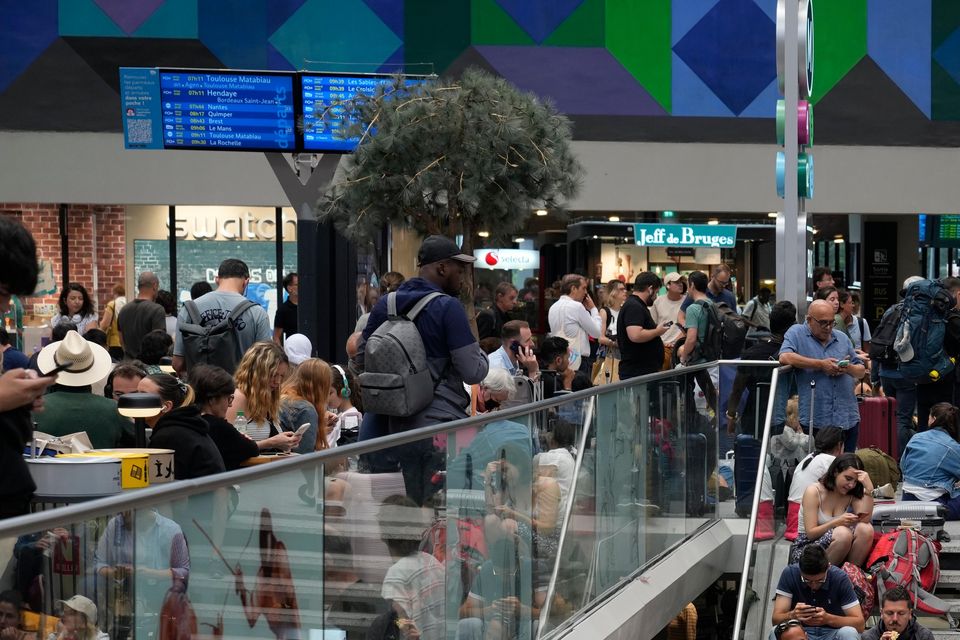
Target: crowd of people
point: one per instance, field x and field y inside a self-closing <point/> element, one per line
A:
<point x="259" y="390"/>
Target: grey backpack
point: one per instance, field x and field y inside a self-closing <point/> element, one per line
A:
<point x="396" y="380"/>
<point x="217" y="344"/>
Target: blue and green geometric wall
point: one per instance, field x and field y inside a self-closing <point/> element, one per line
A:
<point x="886" y="71"/>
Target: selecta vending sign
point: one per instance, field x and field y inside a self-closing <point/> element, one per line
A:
<point x="716" y="236"/>
<point x="511" y="259"/>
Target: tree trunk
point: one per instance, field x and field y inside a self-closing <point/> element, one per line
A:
<point x="466" y="293"/>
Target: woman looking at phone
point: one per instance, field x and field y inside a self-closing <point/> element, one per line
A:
<point x="835" y="513"/>
<point x="931" y="461"/>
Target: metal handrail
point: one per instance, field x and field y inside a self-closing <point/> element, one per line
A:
<point x="755" y="506"/>
<point x="179" y="489"/>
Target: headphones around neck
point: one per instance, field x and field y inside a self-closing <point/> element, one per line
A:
<point x="345" y="390"/>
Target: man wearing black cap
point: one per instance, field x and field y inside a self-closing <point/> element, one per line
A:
<point x="452" y="352"/>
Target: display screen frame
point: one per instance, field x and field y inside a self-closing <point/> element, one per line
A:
<point x="341" y="146"/>
<point x="294" y="77"/>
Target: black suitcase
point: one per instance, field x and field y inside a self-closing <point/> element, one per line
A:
<point x="929" y="516"/>
<point x="695" y="479"/>
<point x="746" y="454"/>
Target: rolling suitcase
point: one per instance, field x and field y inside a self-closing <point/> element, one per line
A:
<point x="746" y="453"/>
<point x="695" y="478"/>
<point x="930" y="516"/>
<point x="878" y="425"/>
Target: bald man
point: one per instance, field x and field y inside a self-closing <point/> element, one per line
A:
<point x="824" y="355"/>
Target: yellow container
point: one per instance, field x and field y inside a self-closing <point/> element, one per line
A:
<point x="134" y="473"/>
<point x="159" y="463"/>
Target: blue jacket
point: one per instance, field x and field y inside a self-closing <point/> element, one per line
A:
<point x="932" y="460"/>
<point x="453" y="354"/>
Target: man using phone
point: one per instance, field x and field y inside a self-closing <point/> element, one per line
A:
<point x="575" y="318"/>
<point x="516" y="353"/>
<point x="816" y="350"/>
<point x="639" y="336"/>
<point x="820" y="596"/>
<point x="20" y="390"/>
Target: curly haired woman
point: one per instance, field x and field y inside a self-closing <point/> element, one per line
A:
<point x="259" y="376"/>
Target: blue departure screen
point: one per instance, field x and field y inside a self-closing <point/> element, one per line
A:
<point x="322" y="119"/>
<point x="227" y="110"/>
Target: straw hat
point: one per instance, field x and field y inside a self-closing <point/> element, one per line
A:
<point x="89" y="363"/>
<point x="83" y="605"/>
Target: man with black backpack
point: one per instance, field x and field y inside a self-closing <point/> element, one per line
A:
<point x="452" y="357"/>
<point x="886" y="371"/>
<point x="933" y="389"/>
<point x="702" y="343"/>
<point x="218" y="327"/>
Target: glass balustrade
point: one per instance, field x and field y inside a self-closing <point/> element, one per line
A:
<point x="507" y="525"/>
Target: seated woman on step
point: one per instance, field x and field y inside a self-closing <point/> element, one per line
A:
<point x="931" y="461"/>
<point x="835" y="513"/>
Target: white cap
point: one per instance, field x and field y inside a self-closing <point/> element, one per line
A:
<point x="298" y="348"/>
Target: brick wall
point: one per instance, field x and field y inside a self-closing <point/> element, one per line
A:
<point x="96" y="244"/>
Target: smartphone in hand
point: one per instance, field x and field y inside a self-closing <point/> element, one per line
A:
<point x="302" y="429"/>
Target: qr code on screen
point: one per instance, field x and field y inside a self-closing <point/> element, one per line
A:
<point x="140" y="131"/>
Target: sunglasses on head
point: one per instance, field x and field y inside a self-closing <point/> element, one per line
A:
<point x="786" y="624"/>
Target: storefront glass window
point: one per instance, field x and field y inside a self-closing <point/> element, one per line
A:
<point x="205" y="236"/>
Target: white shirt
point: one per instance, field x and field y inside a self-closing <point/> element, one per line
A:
<point x="563" y="460"/>
<point x="663" y="309"/>
<point x="567" y="317"/>
<point x="350" y="419"/>
<point x="803" y="478"/>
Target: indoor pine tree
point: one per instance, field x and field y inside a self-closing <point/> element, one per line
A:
<point x="450" y="157"/>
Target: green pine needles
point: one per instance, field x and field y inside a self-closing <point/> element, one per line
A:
<point x="451" y="157"/>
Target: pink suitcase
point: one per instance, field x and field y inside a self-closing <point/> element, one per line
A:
<point x="878" y="425"/>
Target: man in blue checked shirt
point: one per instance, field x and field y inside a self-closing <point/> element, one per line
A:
<point x="826" y="356"/>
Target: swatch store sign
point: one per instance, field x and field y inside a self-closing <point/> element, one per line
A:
<point x="509" y="259"/>
<point x="714" y="236"/>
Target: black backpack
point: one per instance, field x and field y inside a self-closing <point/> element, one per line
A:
<point x="881" y="342"/>
<point x="726" y="332"/>
<point x="217" y="344"/>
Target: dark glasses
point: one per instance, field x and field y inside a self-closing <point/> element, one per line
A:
<point x="786" y="624"/>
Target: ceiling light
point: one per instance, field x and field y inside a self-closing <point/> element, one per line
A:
<point x="483" y="234"/>
<point x="772" y="214"/>
<point x="519" y="239"/>
<point x="541" y="212"/>
<point x="594" y="237"/>
<point x="713" y="221"/>
<point x="838" y="241"/>
<point x="614" y="218"/>
<point x="814" y="230"/>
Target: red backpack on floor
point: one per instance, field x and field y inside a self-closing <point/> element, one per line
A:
<point x="862" y="586"/>
<point x="907" y="558"/>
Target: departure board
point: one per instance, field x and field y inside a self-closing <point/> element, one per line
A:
<point x="224" y="110"/>
<point x="323" y="119"/>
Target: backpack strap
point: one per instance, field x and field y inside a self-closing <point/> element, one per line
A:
<point x="193" y="311"/>
<point x="421" y="304"/>
<point x="392" y="304"/>
<point x="239" y="310"/>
